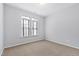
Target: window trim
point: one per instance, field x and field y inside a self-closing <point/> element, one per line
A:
<point x="30" y="20"/>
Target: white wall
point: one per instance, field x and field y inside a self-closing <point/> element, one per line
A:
<point x="63" y="27"/>
<point x="1" y="28"/>
<point x="12" y="26"/>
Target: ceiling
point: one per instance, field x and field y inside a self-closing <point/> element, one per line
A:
<point x="42" y="9"/>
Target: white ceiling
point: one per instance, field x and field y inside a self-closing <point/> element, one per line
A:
<point x="42" y="9"/>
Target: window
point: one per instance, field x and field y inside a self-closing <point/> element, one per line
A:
<point x="34" y="27"/>
<point x="28" y="27"/>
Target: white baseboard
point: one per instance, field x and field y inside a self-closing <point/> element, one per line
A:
<point x="69" y="45"/>
<point x="66" y="44"/>
<point x="20" y="43"/>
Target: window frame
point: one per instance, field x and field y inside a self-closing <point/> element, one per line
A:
<point x="26" y="28"/>
<point x="30" y="28"/>
<point x="34" y="28"/>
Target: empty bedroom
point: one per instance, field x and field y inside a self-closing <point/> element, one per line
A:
<point x="39" y="29"/>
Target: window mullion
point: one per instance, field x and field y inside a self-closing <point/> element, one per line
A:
<point x="23" y="27"/>
<point x="28" y="28"/>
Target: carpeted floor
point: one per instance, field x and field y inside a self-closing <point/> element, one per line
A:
<point x="41" y="48"/>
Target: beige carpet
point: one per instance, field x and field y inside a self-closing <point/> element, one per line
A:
<point x="41" y="48"/>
